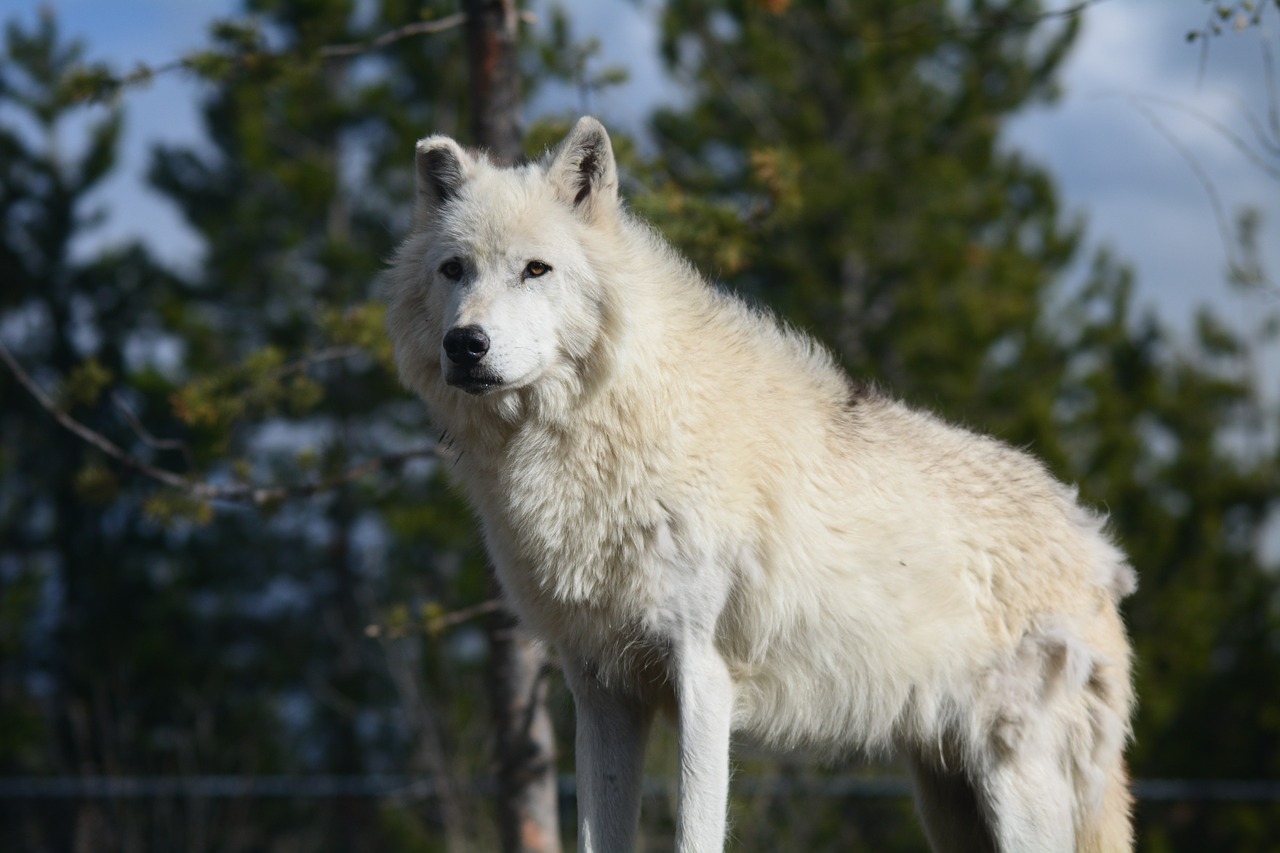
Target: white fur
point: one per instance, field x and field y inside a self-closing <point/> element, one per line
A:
<point x="701" y="512"/>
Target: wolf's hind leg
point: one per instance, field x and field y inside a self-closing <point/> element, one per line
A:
<point x="1030" y="802"/>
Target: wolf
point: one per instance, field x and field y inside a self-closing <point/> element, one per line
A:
<point x="706" y="517"/>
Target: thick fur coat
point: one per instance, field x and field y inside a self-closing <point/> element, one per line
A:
<point x="702" y="513"/>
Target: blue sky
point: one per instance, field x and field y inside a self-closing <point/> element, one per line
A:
<point x="1114" y="164"/>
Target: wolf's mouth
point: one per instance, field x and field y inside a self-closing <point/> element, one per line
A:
<point x="473" y="380"/>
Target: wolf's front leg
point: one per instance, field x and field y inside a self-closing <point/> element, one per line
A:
<point x="704" y="693"/>
<point x="611" y="731"/>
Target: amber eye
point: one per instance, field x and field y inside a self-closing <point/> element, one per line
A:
<point x="534" y="269"/>
<point x="451" y="270"/>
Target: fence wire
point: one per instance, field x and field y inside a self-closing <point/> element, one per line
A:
<point x="417" y="787"/>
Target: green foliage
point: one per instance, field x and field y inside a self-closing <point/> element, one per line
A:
<point x="85" y="384"/>
<point x="261" y="385"/>
<point x="364" y="326"/>
<point x="95" y="483"/>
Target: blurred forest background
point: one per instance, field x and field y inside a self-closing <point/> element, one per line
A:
<point x="241" y="609"/>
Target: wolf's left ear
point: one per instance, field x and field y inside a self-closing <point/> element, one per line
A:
<point x="583" y="170"/>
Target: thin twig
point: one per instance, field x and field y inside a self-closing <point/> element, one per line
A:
<point x="466" y="614"/>
<point x="319" y="356"/>
<point x="437" y="624"/>
<point x="148" y="437"/>
<point x="1258" y="159"/>
<point x="1204" y="47"/>
<point x="1215" y="200"/>
<point x="417" y="28"/>
<point x="1273" y="99"/>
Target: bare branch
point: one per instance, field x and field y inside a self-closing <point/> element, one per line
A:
<point x="246" y="493"/>
<point x="318" y="357"/>
<point x="88" y="435"/>
<point x="102" y="83"/>
<point x="388" y="38"/>
<point x="418" y="28"/>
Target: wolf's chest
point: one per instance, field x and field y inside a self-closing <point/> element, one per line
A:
<point x="588" y="520"/>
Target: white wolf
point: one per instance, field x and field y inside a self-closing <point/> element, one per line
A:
<point x="702" y="513"/>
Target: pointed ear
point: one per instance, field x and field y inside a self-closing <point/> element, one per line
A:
<point x="442" y="168"/>
<point x="583" y="170"/>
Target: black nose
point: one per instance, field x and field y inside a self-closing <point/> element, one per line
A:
<point x="466" y="345"/>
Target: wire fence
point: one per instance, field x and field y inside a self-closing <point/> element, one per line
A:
<point x="418" y="787"/>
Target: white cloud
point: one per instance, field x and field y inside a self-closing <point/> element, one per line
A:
<point x="1136" y="137"/>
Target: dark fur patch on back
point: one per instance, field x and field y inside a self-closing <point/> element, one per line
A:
<point x="860" y="391"/>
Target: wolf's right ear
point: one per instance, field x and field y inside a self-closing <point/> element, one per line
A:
<point x="442" y="168"/>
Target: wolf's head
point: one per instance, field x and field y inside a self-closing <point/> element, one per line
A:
<point x="498" y="288"/>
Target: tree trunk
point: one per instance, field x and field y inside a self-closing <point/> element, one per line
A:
<point x="525" y="741"/>
<point x="528" y="811"/>
<point x="495" y="78"/>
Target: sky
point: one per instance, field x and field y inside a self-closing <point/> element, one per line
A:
<point x="1132" y="142"/>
